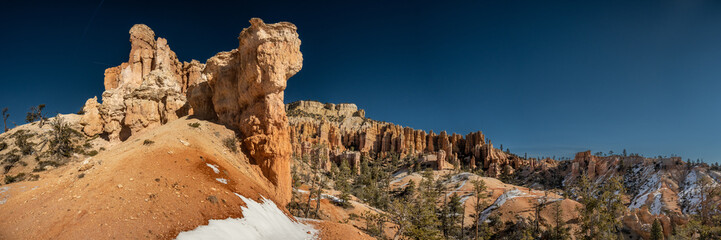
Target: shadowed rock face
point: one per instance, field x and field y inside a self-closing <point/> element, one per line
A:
<point x="242" y="89"/>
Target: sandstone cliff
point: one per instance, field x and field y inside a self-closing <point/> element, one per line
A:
<point x="345" y="131"/>
<point x="242" y="89"/>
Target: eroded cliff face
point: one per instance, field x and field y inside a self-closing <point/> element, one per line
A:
<point x="242" y="89"/>
<point x="344" y="130"/>
<point x="145" y="92"/>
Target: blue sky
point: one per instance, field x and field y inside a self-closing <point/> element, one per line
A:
<point x="540" y="77"/>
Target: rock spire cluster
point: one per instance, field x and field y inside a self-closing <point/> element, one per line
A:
<point x="242" y="89"/>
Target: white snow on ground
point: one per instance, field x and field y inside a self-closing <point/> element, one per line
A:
<point x="511" y="194"/>
<point x="326" y="196"/>
<point x="398" y="176"/>
<point x="214" y="167"/>
<point x="651" y="186"/>
<point x="260" y="221"/>
<point x="464" y="198"/>
<point x="656" y="205"/>
<point x="3" y="199"/>
<point x="690" y="196"/>
<point x="300" y="190"/>
<point x="222" y="180"/>
<point x="332" y="198"/>
<point x="457" y="178"/>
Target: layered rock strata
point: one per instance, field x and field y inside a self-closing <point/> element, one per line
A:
<point x="343" y="129"/>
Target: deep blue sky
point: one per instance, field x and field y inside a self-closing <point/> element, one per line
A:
<point x="543" y="77"/>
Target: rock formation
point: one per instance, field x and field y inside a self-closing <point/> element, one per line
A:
<point x="343" y="128"/>
<point x="245" y="92"/>
<point x="242" y="89"/>
<point x="148" y="90"/>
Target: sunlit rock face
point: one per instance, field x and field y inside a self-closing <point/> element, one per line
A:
<point x="147" y="91"/>
<point x="242" y="89"/>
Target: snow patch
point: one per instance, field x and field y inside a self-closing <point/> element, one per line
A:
<point x="511" y="194"/>
<point x="214" y="167"/>
<point x="222" y="180"/>
<point x="5" y="198"/>
<point x="656" y="205"/>
<point x="260" y="221"/>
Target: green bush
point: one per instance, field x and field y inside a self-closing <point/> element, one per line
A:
<point x="11" y="179"/>
<point x="92" y="153"/>
<point x="21" y="141"/>
<point x="230" y="144"/>
<point x="194" y="125"/>
<point x="42" y="164"/>
<point x="61" y="139"/>
<point x="148" y="142"/>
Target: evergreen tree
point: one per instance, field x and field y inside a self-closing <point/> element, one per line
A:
<point x="424" y="221"/>
<point x="558" y="231"/>
<point x="342" y="184"/>
<point x="602" y="207"/>
<point x="36" y="113"/>
<point x="656" y="230"/>
<point x="479" y="191"/>
<point x="450" y="216"/>
<point x="538" y="207"/>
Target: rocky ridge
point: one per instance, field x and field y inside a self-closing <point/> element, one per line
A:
<point x="347" y="135"/>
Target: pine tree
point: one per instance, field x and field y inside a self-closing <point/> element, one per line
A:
<point x="479" y="191"/>
<point x="449" y="215"/>
<point x="656" y="230"/>
<point x="342" y="184"/>
<point x="601" y="208"/>
<point x="559" y="231"/>
<point x="538" y="207"/>
<point x="424" y="221"/>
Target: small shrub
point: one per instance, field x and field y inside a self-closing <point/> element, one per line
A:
<point x="17" y="178"/>
<point x="21" y="141"/>
<point x="33" y="177"/>
<point x="92" y="153"/>
<point x="230" y="144"/>
<point x="82" y="175"/>
<point x="3" y="146"/>
<point x="102" y="148"/>
<point x="194" y="125"/>
<point x="42" y="164"/>
<point x="61" y="139"/>
<point x="148" y="142"/>
<point x="12" y="158"/>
